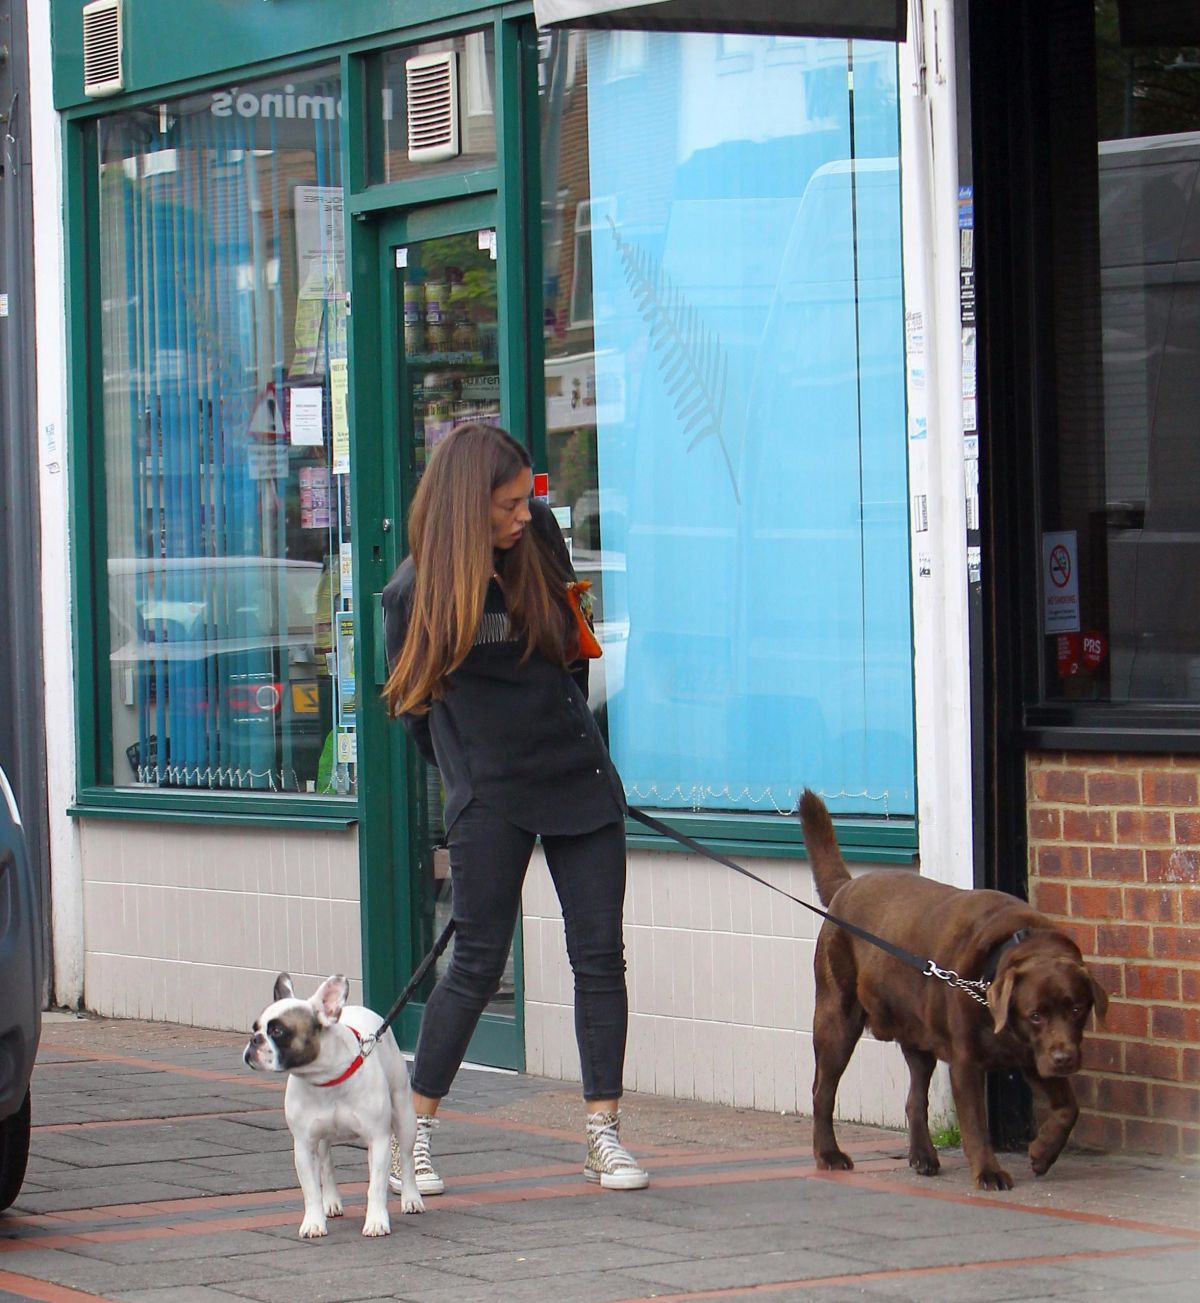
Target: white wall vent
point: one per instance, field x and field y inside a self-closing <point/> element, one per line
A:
<point x="102" y="70"/>
<point x="431" y="81"/>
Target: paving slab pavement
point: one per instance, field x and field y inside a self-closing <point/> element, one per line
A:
<point x="161" y="1170"/>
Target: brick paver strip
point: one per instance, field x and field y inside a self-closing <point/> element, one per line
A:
<point x="246" y="1078"/>
<point x="199" y="1224"/>
<point x="105" y="1124"/>
<point x="865" y="1278"/>
<point x="530" y="1193"/>
<point x="31" y="1287"/>
<point x="984" y="1201"/>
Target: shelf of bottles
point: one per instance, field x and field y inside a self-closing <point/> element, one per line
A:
<point x="450" y="352"/>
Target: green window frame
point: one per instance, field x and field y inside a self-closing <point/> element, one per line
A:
<point x="352" y="39"/>
<point x="96" y="794"/>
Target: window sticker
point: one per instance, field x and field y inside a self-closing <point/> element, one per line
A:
<point x="1060" y="582"/>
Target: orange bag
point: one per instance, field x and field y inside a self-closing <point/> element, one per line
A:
<point x="580" y="599"/>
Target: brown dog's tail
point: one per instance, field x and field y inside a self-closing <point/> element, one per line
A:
<point x="820" y="841"/>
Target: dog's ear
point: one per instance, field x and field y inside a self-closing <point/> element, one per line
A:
<point x="999" y="997"/>
<point x="283" y="987"/>
<point x="1099" y="999"/>
<point x="330" y="998"/>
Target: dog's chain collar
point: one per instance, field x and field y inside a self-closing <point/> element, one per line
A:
<point x="977" y="988"/>
<point x="974" y="987"/>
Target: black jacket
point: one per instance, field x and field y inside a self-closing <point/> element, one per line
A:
<point x="514" y="734"/>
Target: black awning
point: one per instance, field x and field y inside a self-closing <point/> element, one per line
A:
<point x="879" y="20"/>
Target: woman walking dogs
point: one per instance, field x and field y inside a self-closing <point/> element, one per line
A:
<point x="486" y="675"/>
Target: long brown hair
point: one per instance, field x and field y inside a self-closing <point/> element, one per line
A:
<point x="450" y="540"/>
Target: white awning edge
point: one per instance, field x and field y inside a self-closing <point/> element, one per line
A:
<point x="880" y="20"/>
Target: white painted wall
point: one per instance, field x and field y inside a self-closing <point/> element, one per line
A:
<point x="720" y="990"/>
<point x="191" y="925"/>
<point x="48" y="274"/>
<point x="929" y="144"/>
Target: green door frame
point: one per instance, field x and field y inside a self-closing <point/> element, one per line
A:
<point x="378" y="218"/>
<point x="499" y="1040"/>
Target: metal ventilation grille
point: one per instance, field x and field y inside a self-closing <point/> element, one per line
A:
<point x="431" y="83"/>
<point x="102" y="72"/>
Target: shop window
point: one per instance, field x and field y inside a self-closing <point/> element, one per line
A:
<point x="725" y="420"/>
<point x="581" y="267"/>
<point x="226" y="445"/>
<point x="1119" y="602"/>
<point x="453" y="98"/>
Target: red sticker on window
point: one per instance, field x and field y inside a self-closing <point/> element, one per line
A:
<point x="1095" y="647"/>
<point x="541" y="485"/>
<point x="1068" y="655"/>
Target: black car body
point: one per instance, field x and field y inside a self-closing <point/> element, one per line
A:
<point x="21" y="972"/>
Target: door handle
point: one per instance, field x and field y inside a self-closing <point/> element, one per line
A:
<point x="381" y="668"/>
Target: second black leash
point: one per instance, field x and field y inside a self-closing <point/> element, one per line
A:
<point x="369" y="1042"/>
<point x="926" y="967"/>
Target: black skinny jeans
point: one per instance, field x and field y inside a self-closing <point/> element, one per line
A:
<point x="488" y="860"/>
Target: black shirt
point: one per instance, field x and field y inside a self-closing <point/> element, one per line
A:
<point x="515" y="734"/>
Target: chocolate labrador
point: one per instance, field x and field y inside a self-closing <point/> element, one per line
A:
<point x="1038" y="1000"/>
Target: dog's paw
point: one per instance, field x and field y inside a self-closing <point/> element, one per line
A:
<point x="312" y="1228"/>
<point x="412" y="1203"/>
<point x="1041" y="1160"/>
<point x="333" y="1205"/>
<point x="925" y="1163"/>
<point x="993" y="1178"/>
<point x="377" y="1226"/>
<point x="833" y="1160"/>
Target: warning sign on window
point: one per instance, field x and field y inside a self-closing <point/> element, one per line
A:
<point x="1060" y="582"/>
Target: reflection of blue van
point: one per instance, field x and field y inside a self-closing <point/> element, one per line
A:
<point x="773" y="483"/>
<point x="1150" y="300"/>
<point x="826" y="503"/>
<point x="218" y="657"/>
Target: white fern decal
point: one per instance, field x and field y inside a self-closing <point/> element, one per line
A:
<point x="695" y="369"/>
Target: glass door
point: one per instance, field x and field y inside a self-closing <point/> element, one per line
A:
<point x="442" y="367"/>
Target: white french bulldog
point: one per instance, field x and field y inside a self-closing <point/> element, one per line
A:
<point x="334" y="1093"/>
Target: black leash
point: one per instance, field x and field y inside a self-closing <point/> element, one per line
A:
<point x="369" y="1042"/>
<point x="665" y="830"/>
<point x="926" y="967"/>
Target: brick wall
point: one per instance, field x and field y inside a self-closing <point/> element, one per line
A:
<point x="1114" y="855"/>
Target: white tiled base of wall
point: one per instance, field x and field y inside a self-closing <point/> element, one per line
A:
<point x="720" y="991"/>
<point x="192" y="925"/>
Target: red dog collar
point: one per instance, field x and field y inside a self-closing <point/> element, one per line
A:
<point x="355" y="1064"/>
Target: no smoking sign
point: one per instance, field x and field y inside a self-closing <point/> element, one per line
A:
<point x="1060" y="566"/>
<point x="1060" y="583"/>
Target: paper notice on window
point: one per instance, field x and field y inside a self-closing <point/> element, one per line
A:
<point x="320" y="242"/>
<point x="347" y="690"/>
<point x="1060" y="582"/>
<point x="268" y="461"/>
<point x="346" y="572"/>
<point x="339" y="418"/>
<point x="314" y="497"/>
<point x="347" y="748"/>
<point x="306" y="412"/>
<point x="310" y="317"/>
